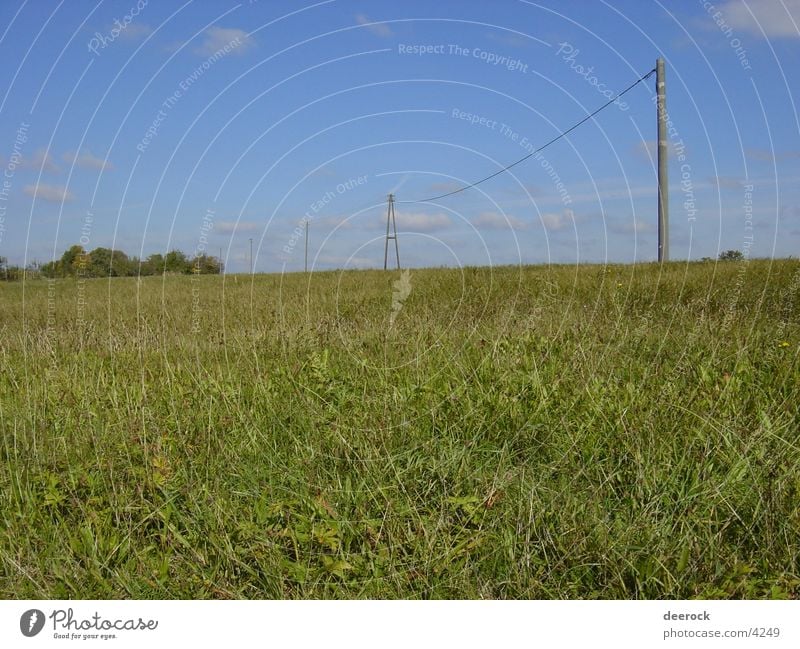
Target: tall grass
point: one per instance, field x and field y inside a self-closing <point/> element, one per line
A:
<point x="538" y="432"/>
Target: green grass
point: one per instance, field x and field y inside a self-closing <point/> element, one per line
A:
<point x="562" y="432"/>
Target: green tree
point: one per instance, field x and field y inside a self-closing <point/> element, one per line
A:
<point x="121" y="265"/>
<point x="176" y="262"/>
<point x="99" y="262"/>
<point x="104" y="262"/>
<point x="731" y="255"/>
<point x="13" y="273"/>
<point x="51" y="269"/>
<point x="153" y="265"/>
<point x="70" y="263"/>
<point x="206" y="265"/>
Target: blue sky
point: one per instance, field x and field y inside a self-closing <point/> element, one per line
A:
<point x="134" y="124"/>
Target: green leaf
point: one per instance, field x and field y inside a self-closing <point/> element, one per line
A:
<point x="335" y="567"/>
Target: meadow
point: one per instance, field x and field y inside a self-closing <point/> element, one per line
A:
<point x="622" y="431"/>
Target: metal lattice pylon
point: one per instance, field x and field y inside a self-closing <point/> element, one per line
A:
<point x="390" y="221"/>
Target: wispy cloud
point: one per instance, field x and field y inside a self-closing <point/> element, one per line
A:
<point x="230" y="227"/>
<point x="508" y="38"/>
<point x="50" y="193"/>
<point x="630" y="227"/>
<point x="770" y="18"/>
<point x="325" y="171"/>
<point x="421" y="222"/>
<point x="444" y="187"/>
<point x="41" y="159"/>
<point x="528" y="190"/>
<point x="330" y="222"/>
<point x="726" y="182"/>
<point x="554" y="221"/>
<point x="134" y="31"/>
<point x="379" y="29"/>
<point x="497" y="221"/>
<point x="217" y="38"/>
<point x="790" y="212"/>
<point x="765" y="155"/>
<point x="86" y="160"/>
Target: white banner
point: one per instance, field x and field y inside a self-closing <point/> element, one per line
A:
<point x="371" y="624"/>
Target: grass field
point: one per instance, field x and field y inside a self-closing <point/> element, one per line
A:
<point x="538" y="432"/>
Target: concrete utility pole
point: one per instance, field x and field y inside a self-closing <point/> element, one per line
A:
<point x="390" y="220"/>
<point x="663" y="181"/>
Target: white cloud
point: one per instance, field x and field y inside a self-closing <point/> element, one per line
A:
<point x="86" y="160"/>
<point x="134" y="31"/>
<point x="51" y="193"/>
<point x="341" y="222"/>
<point x="726" y="182"/>
<point x="777" y="18"/>
<point x="646" y="149"/>
<point x="444" y="187"/>
<point x="497" y="221"/>
<point x="630" y="227"/>
<point x="420" y="222"/>
<point x="765" y="155"/>
<point x="379" y="29"/>
<point x="508" y="38"/>
<point x="557" y="221"/>
<point x="229" y="227"/>
<point x="217" y="38"/>
<point x="325" y="171"/>
<point x="41" y="159"/>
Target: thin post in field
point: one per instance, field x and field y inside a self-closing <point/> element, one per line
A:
<point x="390" y="220"/>
<point x="663" y="182"/>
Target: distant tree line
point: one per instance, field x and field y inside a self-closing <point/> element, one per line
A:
<point x="105" y="262"/>
<point x="9" y="273"/>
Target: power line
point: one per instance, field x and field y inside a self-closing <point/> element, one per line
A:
<point x="540" y="149"/>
